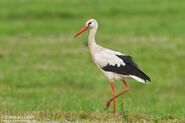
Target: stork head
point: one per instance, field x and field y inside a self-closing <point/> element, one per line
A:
<point x="90" y="24"/>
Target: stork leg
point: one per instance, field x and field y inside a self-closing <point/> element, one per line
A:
<point x="113" y="96"/>
<point x="122" y="92"/>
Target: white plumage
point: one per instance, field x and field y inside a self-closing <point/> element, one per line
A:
<point x="107" y="56"/>
<point x="110" y="62"/>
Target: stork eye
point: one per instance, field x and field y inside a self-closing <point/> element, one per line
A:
<point x="89" y="23"/>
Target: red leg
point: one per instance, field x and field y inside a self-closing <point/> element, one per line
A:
<point x="124" y="91"/>
<point x="113" y="96"/>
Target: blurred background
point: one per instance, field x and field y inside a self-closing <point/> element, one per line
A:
<point x="43" y="68"/>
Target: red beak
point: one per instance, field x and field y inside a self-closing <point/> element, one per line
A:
<point x="82" y="30"/>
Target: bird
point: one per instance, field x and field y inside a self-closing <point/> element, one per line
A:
<point x="114" y="64"/>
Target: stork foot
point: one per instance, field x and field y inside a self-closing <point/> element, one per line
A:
<point x="107" y="105"/>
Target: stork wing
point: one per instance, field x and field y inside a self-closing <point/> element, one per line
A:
<point x="116" y="62"/>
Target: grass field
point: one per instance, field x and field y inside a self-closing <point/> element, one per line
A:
<point x="46" y="73"/>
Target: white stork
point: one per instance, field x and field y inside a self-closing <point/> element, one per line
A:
<point x="114" y="65"/>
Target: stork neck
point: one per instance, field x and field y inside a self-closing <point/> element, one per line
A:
<point x="91" y="39"/>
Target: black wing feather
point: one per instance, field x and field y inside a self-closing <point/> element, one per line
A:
<point x="130" y="68"/>
<point x="128" y="60"/>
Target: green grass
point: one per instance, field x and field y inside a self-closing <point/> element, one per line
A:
<point x="47" y="73"/>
